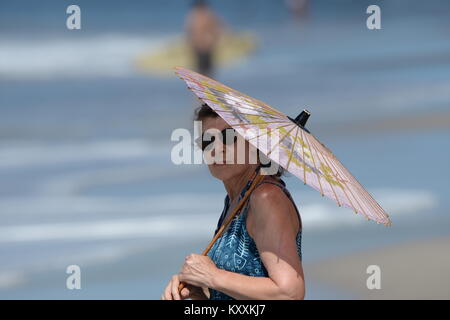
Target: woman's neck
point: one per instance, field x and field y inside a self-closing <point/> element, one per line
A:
<point x="234" y="185"/>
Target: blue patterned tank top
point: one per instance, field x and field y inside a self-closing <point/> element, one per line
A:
<point x="235" y="250"/>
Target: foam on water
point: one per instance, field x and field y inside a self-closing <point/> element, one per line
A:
<point x="165" y="220"/>
<point x="106" y="55"/>
<point x="19" y="155"/>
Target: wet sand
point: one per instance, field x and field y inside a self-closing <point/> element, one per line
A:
<point x="419" y="270"/>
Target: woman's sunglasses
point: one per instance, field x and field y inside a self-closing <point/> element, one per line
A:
<point x="227" y="135"/>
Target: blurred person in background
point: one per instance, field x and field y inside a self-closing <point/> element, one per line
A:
<point x="203" y="30"/>
<point x="299" y="8"/>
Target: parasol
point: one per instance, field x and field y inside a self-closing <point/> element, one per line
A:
<point x="293" y="147"/>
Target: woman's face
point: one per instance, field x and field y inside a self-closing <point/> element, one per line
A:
<point x="230" y="166"/>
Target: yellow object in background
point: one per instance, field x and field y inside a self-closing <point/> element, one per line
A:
<point x="231" y="48"/>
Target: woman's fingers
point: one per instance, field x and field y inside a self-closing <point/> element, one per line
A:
<point x="168" y="292"/>
<point x="185" y="292"/>
<point x="171" y="292"/>
<point x="175" y="284"/>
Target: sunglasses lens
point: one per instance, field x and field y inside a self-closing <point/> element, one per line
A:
<point x="228" y="137"/>
<point x="207" y="140"/>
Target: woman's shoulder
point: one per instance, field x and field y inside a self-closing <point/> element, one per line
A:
<point x="271" y="213"/>
<point x="269" y="203"/>
<point x="268" y="197"/>
<point x="268" y="189"/>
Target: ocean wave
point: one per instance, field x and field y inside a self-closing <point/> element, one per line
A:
<point x="109" y="55"/>
<point x="78" y="205"/>
<point x="164" y="220"/>
<point x="153" y="227"/>
<point x="18" y="276"/>
<point x="37" y="154"/>
<point x="10" y="279"/>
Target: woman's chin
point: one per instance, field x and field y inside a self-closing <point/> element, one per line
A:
<point x="220" y="170"/>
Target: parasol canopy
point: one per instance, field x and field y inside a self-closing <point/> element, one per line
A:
<point x="291" y="145"/>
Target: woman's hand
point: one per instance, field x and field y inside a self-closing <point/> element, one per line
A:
<point x="171" y="292"/>
<point x="198" y="270"/>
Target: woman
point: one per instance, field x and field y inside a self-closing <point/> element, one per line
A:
<point x="259" y="254"/>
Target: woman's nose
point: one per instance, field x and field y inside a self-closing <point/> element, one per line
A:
<point x="215" y="146"/>
<point x="220" y="148"/>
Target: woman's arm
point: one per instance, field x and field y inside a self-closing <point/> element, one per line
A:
<point x="273" y="224"/>
<point x="244" y="287"/>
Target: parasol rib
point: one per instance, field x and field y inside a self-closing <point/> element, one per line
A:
<point x="343" y="180"/>
<point x="245" y="106"/>
<point x="251" y="123"/>
<point x="359" y="194"/>
<point x="365" y="194"/>
<point x="304" y="162"/>
<point x="314" y="163"/>
<point x="284" y="125"/>
<point x="317" y="170"/>
<point x="278" y="142"/>
<point x="262" y="105"/>
<point x="292" y="149"/>
<point x="251" y="114"/>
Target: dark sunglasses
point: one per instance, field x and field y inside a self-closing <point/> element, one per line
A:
<point x="228" y="137"/>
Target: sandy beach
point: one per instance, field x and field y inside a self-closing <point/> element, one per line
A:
<point x="418" y="270"/>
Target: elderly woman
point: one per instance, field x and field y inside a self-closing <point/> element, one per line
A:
<point x="259" y="254"/>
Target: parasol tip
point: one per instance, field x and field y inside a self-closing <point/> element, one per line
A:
<point x="302" y="118"/>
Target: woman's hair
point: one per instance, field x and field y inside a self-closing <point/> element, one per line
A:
<point x="205" y="111"/>
<point x="199" y="3"/>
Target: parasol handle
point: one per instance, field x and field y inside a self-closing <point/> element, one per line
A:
<point x="255" y="182"/>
